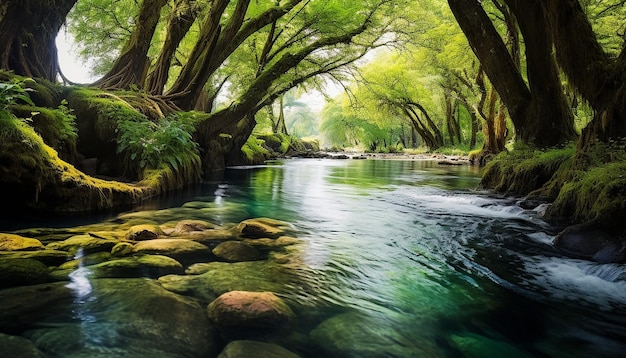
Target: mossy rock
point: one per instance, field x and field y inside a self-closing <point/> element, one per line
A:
<point x="34" y="177"/>
<point x="11" y="242"/>
<point x="236" y="251"/>
<point x="522" y="171"/>
<point x="242" y="313"/>
<point x="247" y="348"/>
<point x="208" y="280"/>
<point x="56" y="128"/>
<point x="597" y="195"/>
<point x="122" y="249"/>
<point x="261" y="228"/>
<point x="144" y="232"/>
<point x="20" y="272"/>
<point x="47" y="257"/>
<point x="83" y="245"/>
<point x="184" y="251"/>
<point x="187" y="226"/>
<point x="86" y="260"/>
<point x="14" y="346"/>
<point x="153" y="266"/>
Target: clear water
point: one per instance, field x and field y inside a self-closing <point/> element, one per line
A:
<point x="424" y="264"/>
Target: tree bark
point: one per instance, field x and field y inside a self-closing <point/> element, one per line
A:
<point x="549" y="120"/>
<point x="28" y="30"/>
<point x="539" y="113"/>
<point x="131" y="67"/>
<point x="205" y="60"/>
<point x="600" y="80"/>
<point x="185" y="13"/>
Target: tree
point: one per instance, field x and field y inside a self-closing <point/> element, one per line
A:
<point x="28" y="30"/>
<point x="131" y="67"/>
<point x="538" y="109"/>
<point x="599" y="77"/>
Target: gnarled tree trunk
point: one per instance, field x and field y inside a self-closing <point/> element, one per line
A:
<point x="538" y="111"/>
<point x="131" y="67"/>
<point x="28" y="29"/>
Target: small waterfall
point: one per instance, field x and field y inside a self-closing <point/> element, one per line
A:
<point x="79" y="278"/>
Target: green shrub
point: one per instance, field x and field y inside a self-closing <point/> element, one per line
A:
<point x="147" y="144"/>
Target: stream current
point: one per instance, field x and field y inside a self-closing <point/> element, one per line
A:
<point x="425" y="264"/>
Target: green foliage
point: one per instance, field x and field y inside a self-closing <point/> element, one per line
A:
<point x="254" y="150"/>
<point x="148" y="145"/>
<point x="11" y="94"/>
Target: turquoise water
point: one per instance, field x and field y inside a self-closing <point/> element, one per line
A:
<point x="407" y="259"/>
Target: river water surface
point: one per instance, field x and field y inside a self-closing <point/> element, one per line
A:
<point x="421" y="263"/>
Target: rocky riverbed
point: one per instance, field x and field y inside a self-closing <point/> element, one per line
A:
<point x="134" y="288"/>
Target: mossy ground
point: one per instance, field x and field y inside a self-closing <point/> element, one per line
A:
<point x="584" y="186"/>
<point x="42" y="148"/>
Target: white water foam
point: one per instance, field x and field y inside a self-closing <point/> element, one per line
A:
<point x="599" y="285"/>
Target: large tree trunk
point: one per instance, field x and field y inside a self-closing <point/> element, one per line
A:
<point x="216" y="46"/>
<point x="28" y="29"/>
<point x="185" y="13"/>
<point x="539" y="113"/>
<point x="549" y="120"/>
<point x="131" y="67"/>
<point x="600" y="80"/>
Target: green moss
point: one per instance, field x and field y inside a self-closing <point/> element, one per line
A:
<point x="522" y="171"/>
<point x="595" y="195"/>
<point x="56" y="127"/>
<point x="34" y="176"/>
<point x="254" y="151"/>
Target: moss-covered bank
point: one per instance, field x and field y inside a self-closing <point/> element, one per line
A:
<point x="586" y="189"/>
<point x="67" y="149"/>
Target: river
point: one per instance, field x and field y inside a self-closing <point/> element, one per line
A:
<point x="412" y="260"/>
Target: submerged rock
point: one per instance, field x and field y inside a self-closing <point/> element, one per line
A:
<point x="125" y="318"/>
<point x="236" y="251"/>
<point x="215" y="278"/>
<point x="187" y="226"/>
<point x="593" y="243"/>
<point x="13" y="346"/>
<point x="21" y="307"/>
<point x="355" y="335"/>
<point x="235" y="312"/>
<point x="247" y="349"/>
<point x="11" y="242"/>
<point x="474" y="345"/>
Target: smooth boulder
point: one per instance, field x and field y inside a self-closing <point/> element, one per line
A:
<point x="236" y="312"/>
<point x="83" y="245"/>
<point x="261" y="228"/>
<point x="247" y="349"/>
<point x="183" y="251"/>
